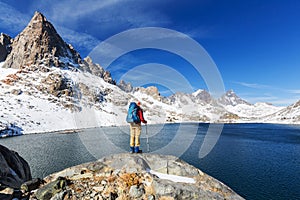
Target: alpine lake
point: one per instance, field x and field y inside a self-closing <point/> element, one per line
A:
<point x="258" y="161"/>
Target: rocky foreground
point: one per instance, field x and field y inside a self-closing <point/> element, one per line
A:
<point x="133" y="176"/>
<point x="120" y="176"/>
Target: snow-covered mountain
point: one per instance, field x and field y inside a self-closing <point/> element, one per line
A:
<point x="230" y="98"/>
<point x="290" y="115"/>
<point x="45" y="85"/>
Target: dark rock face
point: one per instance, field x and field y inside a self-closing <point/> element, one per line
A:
<point x="39" y="43"/>
<point x="5" y="46"/>
<point x="14" y="170"/>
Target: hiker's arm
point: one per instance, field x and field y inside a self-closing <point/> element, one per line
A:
<point x="141" y="116"/>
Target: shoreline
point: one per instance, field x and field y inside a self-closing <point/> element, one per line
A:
<point x="78" y="130"/>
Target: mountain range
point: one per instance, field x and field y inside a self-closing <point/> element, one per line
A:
<point x="47" y="86"/>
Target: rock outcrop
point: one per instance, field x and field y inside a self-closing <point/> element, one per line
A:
<point x="151" y="91"/>
<point x="14" y="171"/>
<point x="127" y="87"/>
<point x="39" y="44"/>
<point x="97" y="70"/>
<point x="134" y="176"/>
<point x="5" y="46"/>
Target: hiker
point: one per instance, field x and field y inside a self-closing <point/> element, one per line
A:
<point x="135" y="117"/>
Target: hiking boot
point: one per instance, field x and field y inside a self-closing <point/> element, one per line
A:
<point x="136" y="149"/>
<point x="131" y="150"/>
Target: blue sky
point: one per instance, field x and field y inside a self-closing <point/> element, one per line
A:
<point x="255" y="44"/>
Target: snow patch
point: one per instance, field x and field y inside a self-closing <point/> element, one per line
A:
<point x="197" y="92"/>
<point x="174" y="178"/>
<point x="4" y="72"/>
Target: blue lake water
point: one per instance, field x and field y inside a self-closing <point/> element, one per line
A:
<point x="258" y="161"/>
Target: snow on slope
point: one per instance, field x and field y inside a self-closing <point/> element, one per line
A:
<point x="199" y="91"/>
<point x="5" y="72"/>
<point x="253" y="111"/>
<point x="288" y="115"/>
<point x="35" y="111"/>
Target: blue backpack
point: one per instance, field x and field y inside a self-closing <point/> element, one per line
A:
<point x="132" y="115"/>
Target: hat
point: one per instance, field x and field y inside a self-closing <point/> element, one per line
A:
<point x="138" y="103"/>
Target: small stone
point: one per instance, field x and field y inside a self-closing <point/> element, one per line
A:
<point x="31" y="185"/>
<point x="7" y="191"/>
<point x="136" y="192"/>
<point x="151" y="197"/>
<point x="93" y="194"/>
<point x="59" y="196"/>
<point x="113" y="196"/>
<point x="16" y="91"/>
<point x="81" y="176"/>
<point x="98" y="189"/>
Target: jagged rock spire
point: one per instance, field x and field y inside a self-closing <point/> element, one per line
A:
<point x="40" y="44"/>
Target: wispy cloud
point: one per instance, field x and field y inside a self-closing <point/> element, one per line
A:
<point x="285" y="101"/>
<point x="11" y="19"/>
<point x="252" y="85"/>
<point x="294" y="91"/>
<point x="78" y="8"/>
<point x="113" y="14"/>
<point x="76" y="39"/>
<point x="278" y="100"/>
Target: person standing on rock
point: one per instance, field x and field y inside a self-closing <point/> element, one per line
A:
<point x="135" y="117"/>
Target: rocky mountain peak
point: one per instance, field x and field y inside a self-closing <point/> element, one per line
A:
<point x="40" y="44"/>
<point x="202" y="95"/>
<point x="230" y="98"/>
